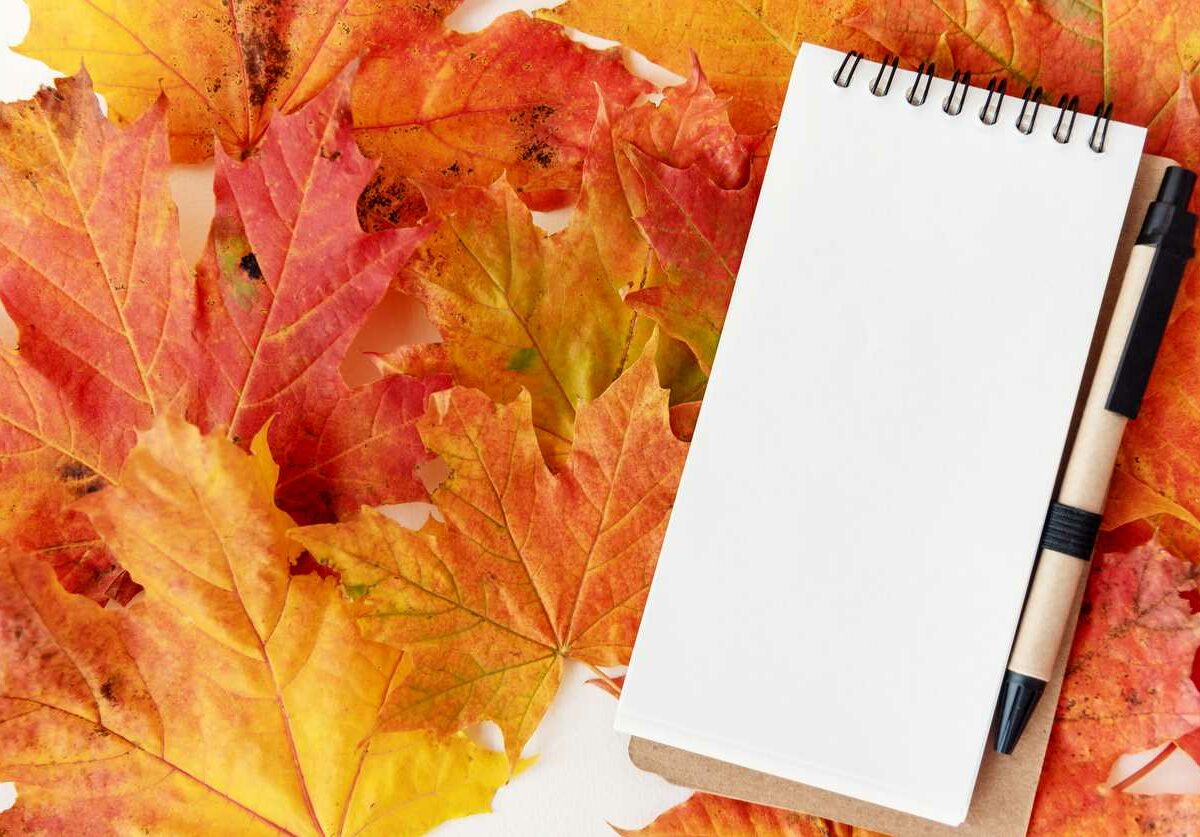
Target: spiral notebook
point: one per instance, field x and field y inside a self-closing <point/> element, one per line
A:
<point x="846" y="560"/>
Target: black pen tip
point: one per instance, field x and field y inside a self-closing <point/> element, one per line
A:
<point x="1018" y="697"/>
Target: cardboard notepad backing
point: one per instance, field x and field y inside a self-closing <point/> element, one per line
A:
<point x="1006" y="787"/>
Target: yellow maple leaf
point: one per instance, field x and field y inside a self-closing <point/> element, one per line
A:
<point x="530" y="568"/>
<point x="747" y="49"/>
<point x="232" y="697"/>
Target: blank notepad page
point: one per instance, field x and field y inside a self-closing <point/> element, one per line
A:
<point x="847" y="557"/>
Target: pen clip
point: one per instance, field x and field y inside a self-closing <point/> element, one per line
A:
<point x="1168" y="228"/>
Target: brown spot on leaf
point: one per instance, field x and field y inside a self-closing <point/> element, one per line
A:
<point x="538" y="151"/>
<point x="79" y="478"/>
<point x="387" y="203"/>
<point x="249" y="263"/>
<point x="106" y="690"/>
<point x="265" y="51"/>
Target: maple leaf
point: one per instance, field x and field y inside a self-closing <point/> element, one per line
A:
<point x="519" y="309"/>
<point x="288" y="279"/>
<point x="691" y="127"/>
<point x="747" y="48"/>
<point x="1131" y="55"/>
<point x="230" y="693"/>
<point x="1128" y="687"/>
<point x="103" y="323"/>
<point x="529" y="568"/>
<point x="452" y="109"/>
<point x="1159" y="461"/>
<point x="708" y="815"/>
<point x="225" y="67"/>
<point x="698" y="231"/>
<point x="114" y="330"/>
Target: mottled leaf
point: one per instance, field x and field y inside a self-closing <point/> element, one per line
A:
<point x="747" y="48"/>
<point x="528" y="568"/>
<point x="1129" y="54"/>
<point x="517" y="98"/>
<point x="698" y="231"/>
<point x="231" y="695"/>
<point x="519" y="309"/>
<point x="286" y="282"/>
<point x="1128" y="687"/>
<point x="114" y="329"/>
<point x="226" y="67"/>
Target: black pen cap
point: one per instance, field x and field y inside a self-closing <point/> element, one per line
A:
<point x="1168" y="223"/>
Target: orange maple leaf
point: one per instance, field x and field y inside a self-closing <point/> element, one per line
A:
<point x="114" y="330"/>
<point x="1132" y="55"/>
<point x="529" y="568"/>
<point x="1128" y="687"/>
<point x="226" y="68"/>
<point x="443" y="106"/>
<point x="231" y="695"/>
<point x="452" y="109"/>
<point x="708" y="815"/>
<point x="747" y="48"/>
<point x="698" y="231"/>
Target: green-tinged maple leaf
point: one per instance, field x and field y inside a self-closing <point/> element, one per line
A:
<point x="226" y="67"/>
<point x="747" y="48"/>
<point x="519" y="309"/>
<point x="114" y="329"/>
<point x="708" y="815"/>
<point x="232" y="697"/>
<point x="528" y="569"/>
<point x="517" y="98"/>
<point x="1128" y="687"/>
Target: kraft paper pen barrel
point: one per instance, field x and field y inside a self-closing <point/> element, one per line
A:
<point x="1155" y="269"/>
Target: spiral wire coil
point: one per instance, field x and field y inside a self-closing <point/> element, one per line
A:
<point x="989" y="114"/>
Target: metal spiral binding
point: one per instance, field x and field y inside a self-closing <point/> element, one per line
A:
<point x="989" y="114"/>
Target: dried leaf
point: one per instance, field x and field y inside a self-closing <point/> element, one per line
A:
<point x="708" y="815"/>
<point x="114" y="330"/>
<point x="103" y="323"/>
<point x="225" y="67"/>
<point x="1128" y="687"/>
<point x="519" y="309"/>
<point x="451" y="109"/>
<point x="285" y="284"/>
<point x="746" y="48"/>
<point x="698" y="231"/>
<point x="230" y="695"/>
<point x="529" y="567"/>
<point x="1133" y="55"/>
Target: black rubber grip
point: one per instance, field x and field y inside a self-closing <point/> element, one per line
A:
<point x="1070" y="531"/>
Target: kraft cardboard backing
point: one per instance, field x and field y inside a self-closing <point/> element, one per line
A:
<point x="1006" y="786"/>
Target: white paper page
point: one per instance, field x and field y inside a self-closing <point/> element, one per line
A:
<point x="846" y="561"/>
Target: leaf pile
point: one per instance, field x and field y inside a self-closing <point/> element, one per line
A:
<point x="223" y="683"/>
<point x="176" y="441"/>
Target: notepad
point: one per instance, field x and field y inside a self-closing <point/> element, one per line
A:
<point x="848" y="553"/>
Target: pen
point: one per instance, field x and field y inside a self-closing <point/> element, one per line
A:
<point x="1156" y="264"/>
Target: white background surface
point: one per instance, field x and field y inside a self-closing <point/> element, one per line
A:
<point x="583" y="778"/>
